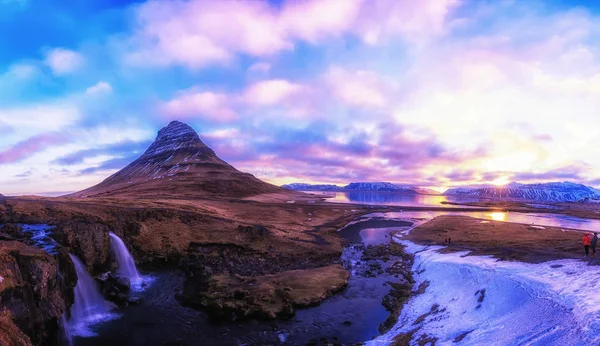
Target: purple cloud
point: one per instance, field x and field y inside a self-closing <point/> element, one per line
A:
<point x="129" y="149"/>
<point x="30" y="146"/>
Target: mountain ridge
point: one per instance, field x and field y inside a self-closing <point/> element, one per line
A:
<point x="361" y="186"/>
<point x="546" y="192"/>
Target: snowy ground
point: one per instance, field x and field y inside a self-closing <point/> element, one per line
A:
<point x="551" y="303"/>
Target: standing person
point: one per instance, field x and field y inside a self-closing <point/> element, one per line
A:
<point x="593" y="244"/>
<point x="586" y="244"/>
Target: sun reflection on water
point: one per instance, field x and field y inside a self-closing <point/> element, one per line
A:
<point x="498" y="216"/>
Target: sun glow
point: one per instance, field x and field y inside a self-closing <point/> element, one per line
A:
<point x="501" y="181"/>
<point x="498" y="216"/>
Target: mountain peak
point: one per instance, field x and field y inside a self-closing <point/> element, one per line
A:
<point x="177" y="129"/>
<point x="178" y="163"/>
<point x="178" y="136"/>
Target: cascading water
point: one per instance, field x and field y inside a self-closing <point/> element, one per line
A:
<point x="67" y="339"/>
<point x="89" y="306"/>
<point x="126" y="264"/>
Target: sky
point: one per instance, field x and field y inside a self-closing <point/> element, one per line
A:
<point x="436" y="93"/>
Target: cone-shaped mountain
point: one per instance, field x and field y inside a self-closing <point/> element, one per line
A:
<point x="178" y="164"/>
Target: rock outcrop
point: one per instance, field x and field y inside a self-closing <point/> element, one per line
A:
<point x="35" y="290"/>
<point x="88" y="241"/>
<point x="271" y="296"/>
<point x="11" y="232"/>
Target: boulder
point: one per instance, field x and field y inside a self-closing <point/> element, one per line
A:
<point x="124" y="284"/>
<point x="115" y="289"/>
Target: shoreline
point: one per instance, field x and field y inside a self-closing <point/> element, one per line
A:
<point x="502" y="240"/>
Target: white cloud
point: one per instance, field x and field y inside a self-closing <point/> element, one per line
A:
<point x="205" y="104"/>
<point x="33" y="119"/>
<point x="195" y="34"/>
<point x="64" y="61"/>
<point x="100" y="88"/>
<point x="359" y="87"/>
<point x="260" y="67"/>
<point x="271" y="92"/>
<point x="21" y="71"/>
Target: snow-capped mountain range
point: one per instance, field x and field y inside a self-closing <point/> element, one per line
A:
<point x="361" y="186"/>
<point x="545" y="192"/>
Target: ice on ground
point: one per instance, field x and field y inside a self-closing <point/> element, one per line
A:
<point x="478" y="300"/>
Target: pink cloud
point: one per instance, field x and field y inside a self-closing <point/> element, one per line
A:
<point x="201" y="32"/>
<point x="315" y="19"/>
<point x="260" y="67"/>
<point x="64" y="61"/>
<point x="271" y="92"/>
<point x="360" y="88"/>
<point x="415" y="21"/>
<point x="205" y="104"/>
<point x="29" y="147"/>
<point x="198" y="33"/>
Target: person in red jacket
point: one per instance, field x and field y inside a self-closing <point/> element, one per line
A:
<point x="586" y="243"/>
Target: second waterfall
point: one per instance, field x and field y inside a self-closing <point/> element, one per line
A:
<point x="124" y="260"/>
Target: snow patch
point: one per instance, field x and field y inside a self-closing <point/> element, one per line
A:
<point x="479" y="300"/>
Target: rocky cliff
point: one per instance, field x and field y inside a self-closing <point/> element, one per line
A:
<point x="35" y="290"/>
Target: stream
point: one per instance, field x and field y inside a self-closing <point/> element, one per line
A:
<point x="352" y="316"/>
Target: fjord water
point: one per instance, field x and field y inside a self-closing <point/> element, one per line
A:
<point x="392" y="198"/>
<point x="124" y="260"/>
<point x="538" y="219"/>
<point x="89" y="306"/>
<point x="411" y="200"/>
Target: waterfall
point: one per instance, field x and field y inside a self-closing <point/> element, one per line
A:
<point x="89" y="306"/>
<point x="66" y="338"/>
<point x="124" y="260"/>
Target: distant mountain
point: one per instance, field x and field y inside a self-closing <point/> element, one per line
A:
<point x="361" y="186"/>
<point x="178" y="164"/>
<point x="546" y="192"/>
<point x="312" y="187"/>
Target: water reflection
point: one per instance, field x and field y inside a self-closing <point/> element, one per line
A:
<point x="498" y="216"/>
<point x="376" y="236"/>
<point x="549" y="220"/>
<point x="391" y="198"/>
